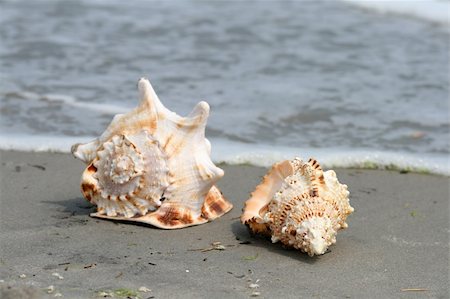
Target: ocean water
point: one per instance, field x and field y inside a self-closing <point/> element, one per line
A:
<point x="354" y="85"/>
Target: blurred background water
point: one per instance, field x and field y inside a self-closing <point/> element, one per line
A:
<point x="346" y="84"/>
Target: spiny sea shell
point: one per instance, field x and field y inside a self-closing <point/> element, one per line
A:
<point x="299" y="205"/>
<point x="153" y="166"/>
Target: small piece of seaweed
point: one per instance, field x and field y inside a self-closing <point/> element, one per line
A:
<point x="126" y="293"/>
<point x="250" y="257"/>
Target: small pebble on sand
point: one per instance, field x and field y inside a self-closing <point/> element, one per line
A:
<point x="144" y="290"/>
<point x="57" y="275"/>
<point x="104" y="294"/>
<point x="50" y="289"/>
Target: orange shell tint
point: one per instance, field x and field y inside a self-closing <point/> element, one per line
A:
<point x="153" y="166"/>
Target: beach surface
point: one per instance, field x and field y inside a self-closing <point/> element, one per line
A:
<point x="396" y="246"/>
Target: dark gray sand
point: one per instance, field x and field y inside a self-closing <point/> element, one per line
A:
<point x="396" y="246"/>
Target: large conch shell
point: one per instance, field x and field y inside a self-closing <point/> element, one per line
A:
<point x="153" y="166"/>
<point x="300" y="205"/>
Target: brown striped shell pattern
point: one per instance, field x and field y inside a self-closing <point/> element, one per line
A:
<point x="153" y="166"/>
<point x="299" y="205"/>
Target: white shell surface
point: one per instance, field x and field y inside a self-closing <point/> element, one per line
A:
<point x="152" y="159"/>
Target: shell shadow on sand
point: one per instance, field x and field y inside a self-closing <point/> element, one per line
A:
<point x="72" y="207"/>
<point x="70" y="212"/>
<point x="243" y="235"/>
<point x="82" y="208"/>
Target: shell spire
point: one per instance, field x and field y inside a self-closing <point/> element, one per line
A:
<point x="153" y="166"/>
<point x="299" y="205"/>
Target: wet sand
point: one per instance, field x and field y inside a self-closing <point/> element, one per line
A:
<point x="396" y="246"/>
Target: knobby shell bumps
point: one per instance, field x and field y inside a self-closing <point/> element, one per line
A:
<point x="299" y="205"/>
<point x="153" y="166"/>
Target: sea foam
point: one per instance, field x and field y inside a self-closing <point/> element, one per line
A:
<point x="435" y="11"/>
<point x="236" y="153"/>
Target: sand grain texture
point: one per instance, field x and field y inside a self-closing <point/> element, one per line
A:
<point x="397" y="239"/>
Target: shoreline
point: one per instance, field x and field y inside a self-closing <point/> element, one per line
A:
<point x="259" y="155"/>
<point x="397" y="238"/>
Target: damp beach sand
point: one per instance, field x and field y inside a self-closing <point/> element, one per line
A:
<point x="396" y="246"/>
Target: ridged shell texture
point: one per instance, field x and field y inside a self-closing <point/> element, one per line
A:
<point x="299" y="205"/>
